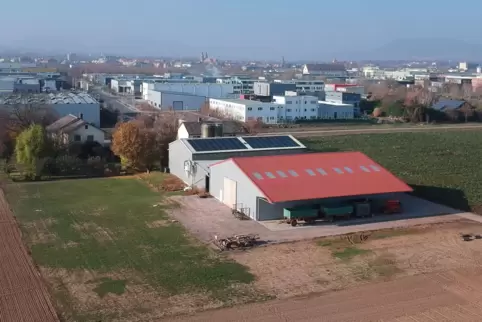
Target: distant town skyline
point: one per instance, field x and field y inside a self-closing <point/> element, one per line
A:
<point x="269" y="29"/>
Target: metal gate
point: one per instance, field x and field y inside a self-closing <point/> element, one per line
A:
<point x="229" y="194"/>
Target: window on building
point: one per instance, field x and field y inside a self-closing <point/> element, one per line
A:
<point x="260" y="108"/>
<point x="86" y="126"/>
<point x="312" y="109"/>
<point x="289" y="102"/>
<point x="272" y="108"/>
<point x="77" y="138"/>
<point x="306" y="102"/>
<point x="306" y="110"/>
<point x="313" y="102"/>
<point x="288" y="110"/>
<point x="260" y="119"/>
<point x="90" y="138"/>
<point x="250" y="108"/>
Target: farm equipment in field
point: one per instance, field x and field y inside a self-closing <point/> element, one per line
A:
<point x="392" y="207"/>
<point x="236" y="241"/>
<point x="332" y="213"/>
<point x="308" y="214"/>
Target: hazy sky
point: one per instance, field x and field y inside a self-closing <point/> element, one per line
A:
<point x="303" y="29"/>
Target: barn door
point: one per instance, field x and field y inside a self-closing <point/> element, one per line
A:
<point x="229" y="195"/>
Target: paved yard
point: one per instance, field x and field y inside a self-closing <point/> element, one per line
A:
<point x="208" y="217"/>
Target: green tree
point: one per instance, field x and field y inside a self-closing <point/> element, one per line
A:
<point x="31" y="148"/>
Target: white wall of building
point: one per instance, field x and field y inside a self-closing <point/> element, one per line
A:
<point x="245" y="110"/>
<point x="176" y="101"/>
<point x="84" y="132"/>
<point x="295" y="107"/>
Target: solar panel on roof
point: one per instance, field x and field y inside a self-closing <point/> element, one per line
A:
<point x="271" y="142"/>
<point x="215" y="144"/>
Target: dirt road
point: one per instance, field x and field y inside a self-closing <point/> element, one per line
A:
<point x="442" y="297"/>
<point x="374" y="129"/>
<point x="23" y="296"/>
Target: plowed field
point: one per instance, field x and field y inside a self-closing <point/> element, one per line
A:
<point x="23" y="296"/>
<point x="444" y="297"/>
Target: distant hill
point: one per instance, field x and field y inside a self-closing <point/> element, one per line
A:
<point x="420" y="49"/>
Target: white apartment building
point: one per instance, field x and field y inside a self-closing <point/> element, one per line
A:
<point x="304" y="86"/>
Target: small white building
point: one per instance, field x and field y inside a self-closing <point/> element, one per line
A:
<point x="246" y="110"/>
<point x="70" y="129"/>
<point x="297" y="107"/>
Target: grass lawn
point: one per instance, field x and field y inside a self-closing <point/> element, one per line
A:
<point x="109" y="252"/>
<point x="444" y="167"/>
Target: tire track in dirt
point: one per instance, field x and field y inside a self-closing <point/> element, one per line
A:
<point x="23" y="295"/>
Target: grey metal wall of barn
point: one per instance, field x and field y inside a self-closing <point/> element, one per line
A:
<point x="189" y="102"/>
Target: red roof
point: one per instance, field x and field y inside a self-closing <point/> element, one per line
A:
<point x="318" y="176"/>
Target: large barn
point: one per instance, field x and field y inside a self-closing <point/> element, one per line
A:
<point x="264" y="186"/>
<point x="190" y="159"/>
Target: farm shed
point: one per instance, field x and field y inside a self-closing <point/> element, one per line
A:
<point x="263" y="186"/>
<point x="190" y="159"/>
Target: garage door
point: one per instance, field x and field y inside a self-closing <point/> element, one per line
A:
<point x="177" y="105"/>
<point x="229" y="195"/>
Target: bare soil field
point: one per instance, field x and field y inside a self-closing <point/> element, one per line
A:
<point x="426" y="273"/>
<point x="23" y="296"/>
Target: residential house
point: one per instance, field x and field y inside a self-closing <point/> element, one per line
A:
<point x="194" y="129"/>
<point x="454" y="109"/>
<point x="71" y="128"/>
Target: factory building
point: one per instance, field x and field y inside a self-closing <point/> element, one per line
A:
<point x="335" y="111"/>
<point x="81" y="105"/>
<point x="176" y="101"/>
<point x="190" y="159"/>
<point x="307" y="86"/>
<point x="200" y="89"/>
<point x="287" y="108"/>
<point x="263" y="187"/>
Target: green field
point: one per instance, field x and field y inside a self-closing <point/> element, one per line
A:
<point x="444" y="167"/>
<point x="109" y="251"/>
